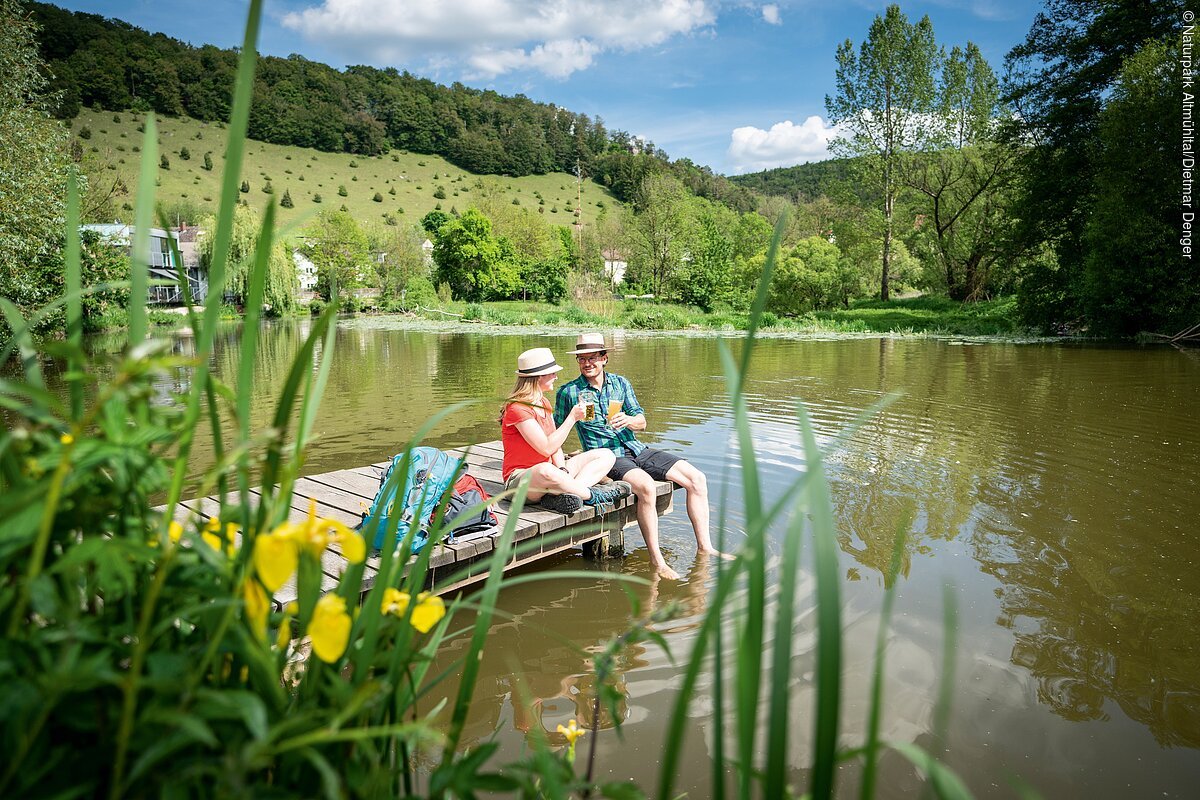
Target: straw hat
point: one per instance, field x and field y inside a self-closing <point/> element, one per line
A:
<point x="588" y="343"/>
<point x="538" y="361"/>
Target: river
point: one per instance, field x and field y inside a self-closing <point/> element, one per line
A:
<point x="1051" y="487"/>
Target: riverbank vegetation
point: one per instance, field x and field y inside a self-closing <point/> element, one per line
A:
<point x="141" y="651"/>
<point x="952" y="181"/>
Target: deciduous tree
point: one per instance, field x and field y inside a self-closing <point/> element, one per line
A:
<point x="885" y="102"/>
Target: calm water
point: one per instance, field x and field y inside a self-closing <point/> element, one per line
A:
<point x="1053" y="488"/>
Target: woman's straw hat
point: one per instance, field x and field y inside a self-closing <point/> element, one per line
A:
<point x="588" y="343"/>
<point x="538" y="361"/>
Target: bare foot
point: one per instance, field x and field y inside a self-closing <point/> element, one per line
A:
<point x="664" y="571"/>
<point x="712" y="551"/>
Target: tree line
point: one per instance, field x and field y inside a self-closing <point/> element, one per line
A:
<point x="110" y="64"/>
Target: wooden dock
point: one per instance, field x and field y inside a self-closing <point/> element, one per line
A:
<point x="345" y="494"/>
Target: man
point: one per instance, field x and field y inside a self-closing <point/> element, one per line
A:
<point x="636" y="463"/>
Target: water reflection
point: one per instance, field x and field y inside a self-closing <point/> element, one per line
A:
<point x="1055" y="487"/>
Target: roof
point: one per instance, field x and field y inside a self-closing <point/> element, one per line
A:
<point x="122" y="233"/>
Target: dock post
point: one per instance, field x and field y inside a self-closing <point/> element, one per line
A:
<point x="611" y="544"/>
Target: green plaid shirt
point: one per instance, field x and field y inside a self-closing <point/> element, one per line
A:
<point x="599" y="434"/>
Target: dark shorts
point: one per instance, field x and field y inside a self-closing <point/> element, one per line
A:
<point x="657" y="464"/>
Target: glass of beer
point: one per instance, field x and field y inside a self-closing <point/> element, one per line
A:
<point x="589" y="406"/>
<point x="614" y="407"/>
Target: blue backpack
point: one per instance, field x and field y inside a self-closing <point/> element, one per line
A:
<point x="414" y="495"/>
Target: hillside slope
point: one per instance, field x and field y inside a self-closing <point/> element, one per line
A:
<point x="405" y="182"/>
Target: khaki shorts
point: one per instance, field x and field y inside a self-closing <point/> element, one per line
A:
<point x="515" y="477"/>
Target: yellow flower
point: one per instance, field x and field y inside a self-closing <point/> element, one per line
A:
<point x="572" y="732"/>
<point x="212" y="536"/>
<point x="275" y="558"/>
<point x="329" y="629"/>
<point x="283" y="637"/>
<point x="175" y="531"/>
<point x="257" y="608"/>
<point x="352" y="544"/>
<point x="292" y="608"/>
<point x="430" y="609"/>
<point x="394" y="602"/>
<point x="67" y="439"/>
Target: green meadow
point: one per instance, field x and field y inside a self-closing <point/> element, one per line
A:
<point x="407" y="184"/>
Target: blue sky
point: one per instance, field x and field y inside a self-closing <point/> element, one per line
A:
<point x="736" y="85"/>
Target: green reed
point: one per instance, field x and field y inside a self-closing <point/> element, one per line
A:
<point x="136" y="664"/>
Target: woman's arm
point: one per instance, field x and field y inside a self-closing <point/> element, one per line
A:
<point x="548" y="446"/>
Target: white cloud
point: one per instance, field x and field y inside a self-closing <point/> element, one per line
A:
<point x="785" y="144"/>
<point x="491" y="37"/>
<point x="770" y="13"/>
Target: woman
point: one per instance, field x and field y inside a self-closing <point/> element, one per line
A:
<point x="533" y="446"/>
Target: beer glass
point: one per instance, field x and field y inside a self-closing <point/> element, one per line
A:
<point x="589" y="406"/>
<point x="614" y="408"/>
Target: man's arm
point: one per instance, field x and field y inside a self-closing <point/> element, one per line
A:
<point x="632" y="415"/>
<point x="562" y="404"/>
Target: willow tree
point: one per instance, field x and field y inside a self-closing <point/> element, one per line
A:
<point x="886" y="106"/>
<point x="963" y="185"/>
<point x="282" y="282"/>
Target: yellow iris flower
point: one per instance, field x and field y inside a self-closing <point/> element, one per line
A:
<point x="316" y="533"/>
<point x="428" y="612"/>
<point x="275" y="558"/>
<point x="571" y="732"/>
<point x="257" y="608"/>
<point x="175" y="531"/>
<point x="329" y="629"/>
<point x="394" y="602"/>
<point x="212" y="536"/>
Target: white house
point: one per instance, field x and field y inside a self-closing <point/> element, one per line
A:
<point x="306" y="270"/>
<point x="614" y="266"/>
<point x="162" y="260"/>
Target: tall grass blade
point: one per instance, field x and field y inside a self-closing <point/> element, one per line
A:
<point x="687" y="687"/>
<point x="749" y="653"/>
<point x="941" y="712"/>
<point x="760" y="296"/>
<point x="143" y="215"/>
<point x="254" y="298"/>
<point x="239" y="119"/>
<point x="829" y="625"/>
<point x="491" y="589"/>
<point x="74" y="297"/>
<point x="781" y="658"/>
<point x="875" y="710"/>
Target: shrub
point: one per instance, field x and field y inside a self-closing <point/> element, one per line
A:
<point x="342" y="190"/>
<point x="286" y="201"/>
<point x="185" y="154"/>
<point x="164" y="162"/>
<point x="378" y="198"/>
<point x="85" y="132"/>
<point x="316" y="198"/>
<point x="473" y="311"/>
<point x="245" y="187"/>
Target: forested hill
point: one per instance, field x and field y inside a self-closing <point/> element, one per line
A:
<point x="112" y="65"/>
<point x="804" y="181"/>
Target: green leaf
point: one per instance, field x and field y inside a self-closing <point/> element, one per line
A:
<point x="621" y="791"/>
<point x="143" y="215"/>
<point x="235" y="704"/>
<point x="946" y="784"/>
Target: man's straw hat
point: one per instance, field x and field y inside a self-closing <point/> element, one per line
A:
<point x="538" y="361"/>
<point x="588" y="343"/>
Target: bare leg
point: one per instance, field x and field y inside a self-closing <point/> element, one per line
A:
<point x="647" y="514"/>
<point x="591" y="466"/>
<point x="695" y="484"/>
<point x="549" y="479"/>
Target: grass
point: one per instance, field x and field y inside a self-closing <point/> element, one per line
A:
<point x="916" y="316"/>
<point x="305" y="173"/>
